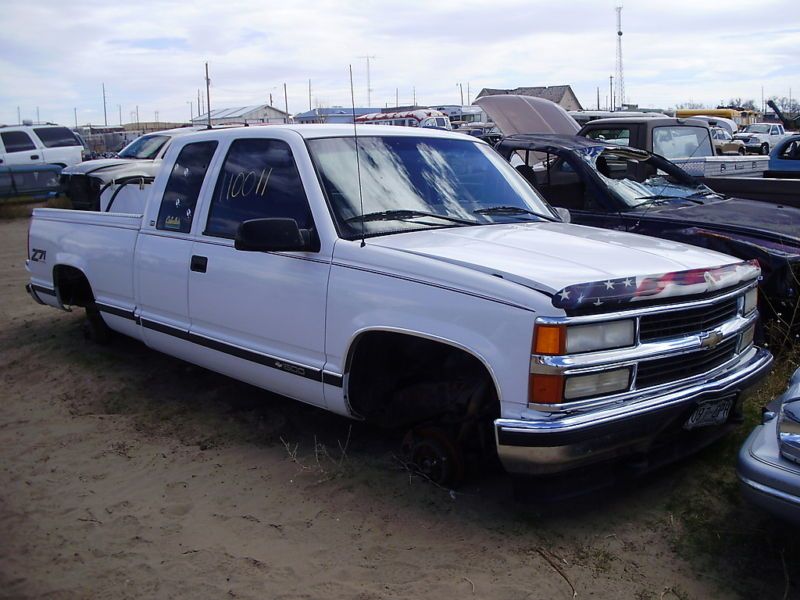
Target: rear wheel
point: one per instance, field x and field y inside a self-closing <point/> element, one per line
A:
<point x="95" y="328"/>
<point x="742" y="151"/>
<point x="765" y="148"/>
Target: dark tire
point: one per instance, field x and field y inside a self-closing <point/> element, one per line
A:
<point x="719" y="152"/>
<point x="742" y="151"/>
<point x="435" y="455"/>
<point x="765" y="148"/>
<point x="95" y="328"/>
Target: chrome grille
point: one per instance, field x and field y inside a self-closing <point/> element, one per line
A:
<point x="688" y="321"/>
<point x="683" y="366"/>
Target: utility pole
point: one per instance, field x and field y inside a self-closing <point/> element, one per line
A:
<point x="309" y="95"/>
<point x="285" y="104"/>
<point x="598" y="97"/>
<point x="119" y="106"/>
<point x="369" y="81"/>
<point x="19" y="118"/>
<point x="191" y="110"/>
<point x="611" y="91"/>
<point x="468" y="92"/>
<point x="105" y="113"/>
<point x="208" y="97"/>
<point x="75" y="111"/>
<point x="198" y="103"/>
<point x="156" y="114"/>
<point x="414" y="92"/>
<point x="397" y="97"/>
<point x="461" y="87"/>
<point x="39" y="120"/>
<point x="138" y="123"/>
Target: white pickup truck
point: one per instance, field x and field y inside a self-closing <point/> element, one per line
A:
<point x="421" y="283"/>
<point x="761" y="137"/>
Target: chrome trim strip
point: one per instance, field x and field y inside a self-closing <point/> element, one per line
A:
<point x="32" y="292"/>
<point x="769" y="491"/>
<point x="672" y="347"/>
<point x="747" y="365"/>
<point x="647" y="310"/>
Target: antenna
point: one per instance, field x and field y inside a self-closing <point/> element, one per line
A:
<point x="358" y="161"/>
<point x="620" y="73"/>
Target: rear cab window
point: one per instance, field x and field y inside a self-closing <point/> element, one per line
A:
<point x="17" y="141"/>
<point x="56" y="137"/>
<point x="259" y="179"/>
<point x="183" y="187"/>
<point x="681" y="141"/>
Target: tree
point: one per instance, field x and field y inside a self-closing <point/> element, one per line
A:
<point x="740" y="103"/>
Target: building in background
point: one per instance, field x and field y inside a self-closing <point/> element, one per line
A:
<point x="560" y="94"/>
<point x="259" y="114"/>
<point x="334" y="114"/>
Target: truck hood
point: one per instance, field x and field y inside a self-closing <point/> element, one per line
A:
<point x="113" y="168"/>
<point x="549" y="257"/>
<point x="526" y="114"/>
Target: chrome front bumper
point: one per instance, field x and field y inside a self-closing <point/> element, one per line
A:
<point x="564" y="441"/>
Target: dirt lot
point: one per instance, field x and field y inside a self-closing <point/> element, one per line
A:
<point x="127" y="474"/>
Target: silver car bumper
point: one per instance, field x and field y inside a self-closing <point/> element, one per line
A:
<point x="571" y="440"/>
<point x="767" y="478"/>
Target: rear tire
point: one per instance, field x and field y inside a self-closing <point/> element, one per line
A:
<point x="742" y="151"/>
<point x="764" y="148"/>
<point x="95" y="328"/>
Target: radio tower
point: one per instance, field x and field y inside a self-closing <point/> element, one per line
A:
<point x="620" y="73"/>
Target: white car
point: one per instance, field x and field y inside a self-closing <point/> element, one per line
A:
<point x="418" y="282"/>
<point x="39" y="145"/>
<point x="85" y="183"/>
<point x="761" y="137"/>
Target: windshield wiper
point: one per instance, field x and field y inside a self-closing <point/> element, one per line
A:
<point x="401" y="214"/>
<point x="506" y="210"/>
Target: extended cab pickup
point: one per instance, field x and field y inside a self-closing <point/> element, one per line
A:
<point x="413" y="279"/>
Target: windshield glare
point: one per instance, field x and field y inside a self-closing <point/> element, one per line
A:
<point x="452" y="178"/>
<point x="634" y="179"/>
<point x="144" y="148"/>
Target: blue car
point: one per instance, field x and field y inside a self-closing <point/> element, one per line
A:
<point x="769" y="461"/>
<point x="784" y="160"/>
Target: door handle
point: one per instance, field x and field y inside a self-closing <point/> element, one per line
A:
<point x="34" y="157"/>
<point x="199" y="264"/>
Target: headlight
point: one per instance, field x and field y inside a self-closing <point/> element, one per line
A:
<point x="789" y="430"/>
<point x="750" y="301"/>
<point x="573" y="339"/>
<point x="597" y="384"/>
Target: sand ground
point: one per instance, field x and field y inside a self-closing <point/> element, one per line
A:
<point x="125" y="473"/>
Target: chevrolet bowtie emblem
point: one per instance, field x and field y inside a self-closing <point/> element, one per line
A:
<point x="710" y="339"/>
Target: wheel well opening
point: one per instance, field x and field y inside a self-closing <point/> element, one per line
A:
<point x="400" y="380"/>
<point x="72" y="286"/>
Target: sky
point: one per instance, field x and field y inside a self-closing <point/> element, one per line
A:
<point x="56" y="55"/>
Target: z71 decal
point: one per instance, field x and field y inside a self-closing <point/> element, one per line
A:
<point x="38" y="255"/>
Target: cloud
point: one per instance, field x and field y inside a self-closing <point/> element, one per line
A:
<point x="56" y="55"/>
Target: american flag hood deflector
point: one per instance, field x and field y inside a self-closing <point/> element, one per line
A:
<point x="615" y="292"/>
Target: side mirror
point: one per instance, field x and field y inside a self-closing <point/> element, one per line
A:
<point x="272" y="235"/>
<point x="563" y="213"/>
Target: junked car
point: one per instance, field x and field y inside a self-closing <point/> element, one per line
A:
<point x="784" y="159"/>
<point x="769" y="460"/>
<point x="627" y="189"/>
<point x="724" y="143"/>
<point x="761" y="137"/>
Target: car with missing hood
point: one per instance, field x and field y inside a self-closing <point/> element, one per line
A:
<point x="84" y="183"/>
<point x="627" y="189"/>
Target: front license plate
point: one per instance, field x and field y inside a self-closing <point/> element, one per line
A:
<point x="710" y="413"/>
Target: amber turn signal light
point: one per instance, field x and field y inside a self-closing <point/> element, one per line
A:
<point x="550" y="339"/>
<point x="545" y="389"/>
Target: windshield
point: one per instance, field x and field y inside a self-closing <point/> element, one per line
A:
<point x="411" y="183"/>
<point x="680" y="141"/>
<point x="636" y="179"/>
<point x="756" y="129"/>
<point x="145" y="147"/>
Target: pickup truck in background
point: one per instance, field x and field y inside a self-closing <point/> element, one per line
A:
<point x="413" y="279"/>
<point x="761" y="137"/>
